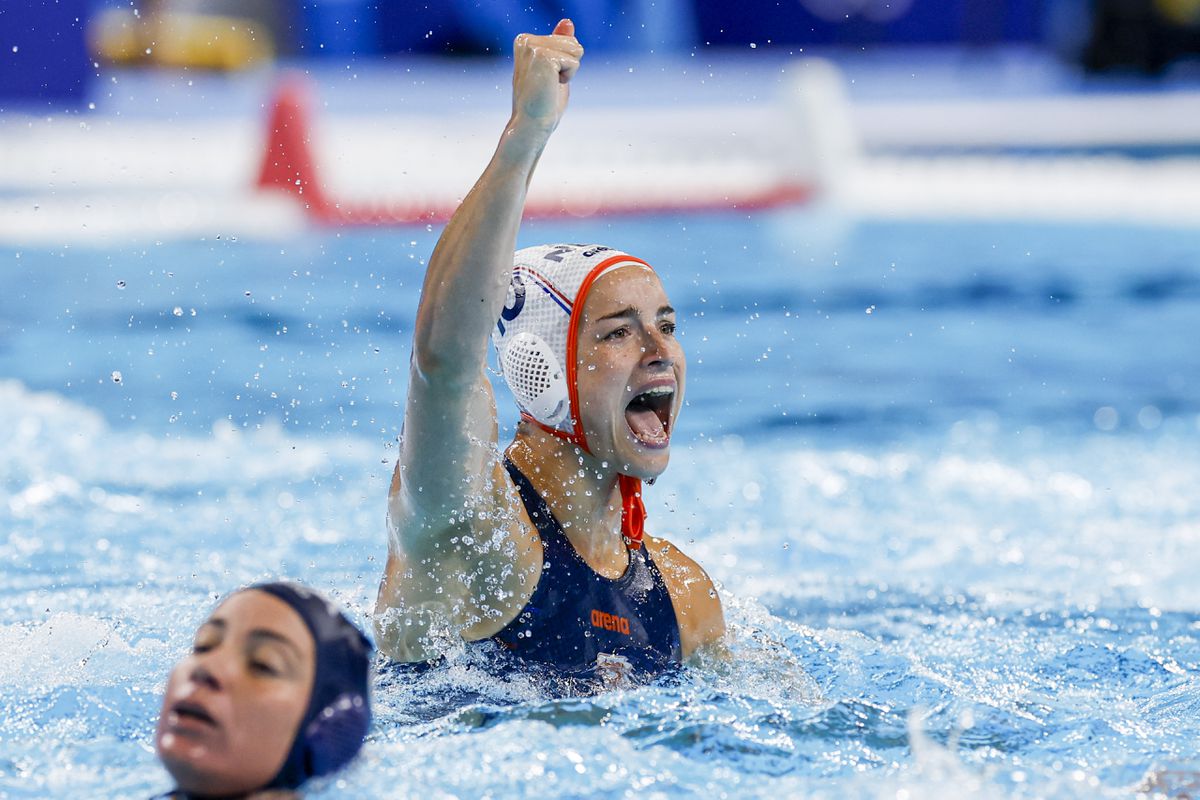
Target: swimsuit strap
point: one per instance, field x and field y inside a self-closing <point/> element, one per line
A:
<point x="633" y="510"/>
<point x="535" y="505"/>
<point x="575" y="616"/>
<point x="557" y="547"/>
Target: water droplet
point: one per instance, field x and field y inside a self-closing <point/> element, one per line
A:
<point x="120" y="284"/>
<point x="116" y="376"/>
<point x="1106" y="418"/>
<point x="177" y="311"/>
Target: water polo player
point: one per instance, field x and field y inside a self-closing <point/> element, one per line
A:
<point x="540" y="549"/>
<point x="273" y="693"/>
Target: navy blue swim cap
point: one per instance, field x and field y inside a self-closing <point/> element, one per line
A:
<point x="339" y="712"/>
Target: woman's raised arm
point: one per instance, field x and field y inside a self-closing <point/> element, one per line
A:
<point x="451" y="502"/>
<point x="450" y="420"/>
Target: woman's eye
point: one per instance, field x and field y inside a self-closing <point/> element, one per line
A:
<point x="263" y="668"/>
<point x="207" y="637"/>
<point x="668" y="328"/>
<point x="202" y="644"/>
<point x="619" y="333"/>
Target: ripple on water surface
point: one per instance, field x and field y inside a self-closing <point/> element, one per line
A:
<point x="1009" y="614"/>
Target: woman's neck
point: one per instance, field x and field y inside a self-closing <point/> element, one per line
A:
<point x="581" y="492"/>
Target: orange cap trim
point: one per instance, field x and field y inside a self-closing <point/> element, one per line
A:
<point x="578" y="436"/>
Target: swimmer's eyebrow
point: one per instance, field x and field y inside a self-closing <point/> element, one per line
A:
<point x="630" y="311"/>
<point x="259" y="635"/>
<point x="264" y="634"/>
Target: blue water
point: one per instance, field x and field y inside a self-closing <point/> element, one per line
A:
<point x="943" y="473"/>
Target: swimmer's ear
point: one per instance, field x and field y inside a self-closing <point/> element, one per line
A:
<point x="565" y="27"/>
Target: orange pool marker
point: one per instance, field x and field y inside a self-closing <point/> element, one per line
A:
<point x="288" y="165"/>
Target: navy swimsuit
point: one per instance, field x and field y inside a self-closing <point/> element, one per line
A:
<point x="582" y="624"/>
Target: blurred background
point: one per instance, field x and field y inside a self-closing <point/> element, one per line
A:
<point x="748" y="104"/>
<point x="52" y="47"/>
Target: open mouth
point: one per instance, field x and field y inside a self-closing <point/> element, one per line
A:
<point x="649" y="416"/>
<point x="192" y="712"/>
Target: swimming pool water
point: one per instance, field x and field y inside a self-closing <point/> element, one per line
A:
<point x="944" y="474"/>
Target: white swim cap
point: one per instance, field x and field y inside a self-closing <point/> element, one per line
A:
<point x="536" y="334"/>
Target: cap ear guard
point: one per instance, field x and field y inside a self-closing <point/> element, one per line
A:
<point x="334" y="737"/>
<point x="535" y="378"/>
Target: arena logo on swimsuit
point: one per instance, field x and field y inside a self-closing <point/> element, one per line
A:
<point x="610" y="622"/>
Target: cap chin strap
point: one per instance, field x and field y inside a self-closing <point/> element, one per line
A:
<point x="633" y="510"/>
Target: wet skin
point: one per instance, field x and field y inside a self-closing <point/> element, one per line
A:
<point x="233" y="705"/>
<point x="626" y="347"/>
<point x="475" y="571"/>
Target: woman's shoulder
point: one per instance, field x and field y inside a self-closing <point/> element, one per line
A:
<point x="473" y="569"/>
<point x="697" y="604"/>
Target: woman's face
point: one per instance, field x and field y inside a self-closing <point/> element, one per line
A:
<point x="233" y="706"/>
<point x="630" y="371"/>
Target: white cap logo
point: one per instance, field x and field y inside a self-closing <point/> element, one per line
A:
<point x="533" y="335"/>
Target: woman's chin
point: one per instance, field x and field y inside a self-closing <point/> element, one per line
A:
<point x="188" y="776"/>
<point x="208" y="784"/>
<point x="194" y="777"/>
<point x="646" y="459"/>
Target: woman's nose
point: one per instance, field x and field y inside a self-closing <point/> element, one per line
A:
<point x="656" y="349"/>
<point x="208" y="671"/>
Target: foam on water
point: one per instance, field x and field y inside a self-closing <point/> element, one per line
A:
<point x="1021" y="603"/>
<point x="951" y="510"/>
